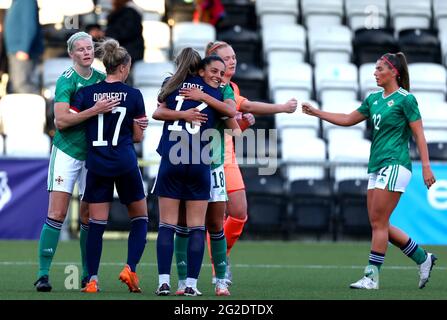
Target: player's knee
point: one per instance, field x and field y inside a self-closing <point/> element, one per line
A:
<point x="57" y="215"/>
<point x="214" y="226"/>
<point x="238" y="213"/>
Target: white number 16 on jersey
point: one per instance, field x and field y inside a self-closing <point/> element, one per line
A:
<point x="191" y="128"/>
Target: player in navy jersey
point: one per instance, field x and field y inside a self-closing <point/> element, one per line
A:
<point x="184" y="173"/>
<point x="112" y="161"/>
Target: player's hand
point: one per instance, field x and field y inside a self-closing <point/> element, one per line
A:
<point x="429" y="178"/>
<point x="105" y="105"/>
<point x="244" y="120"/>
<point x="307" y="108"/>
<point x="192" y="93"/>
<point x="290" y="106"/>
<point x="142" y="122"/>
<point x="194" y="116"/>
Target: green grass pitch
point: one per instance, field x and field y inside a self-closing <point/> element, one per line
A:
<point x="262" y="270"/>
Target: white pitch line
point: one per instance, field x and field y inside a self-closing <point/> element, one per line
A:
<point x="237" y="265"/>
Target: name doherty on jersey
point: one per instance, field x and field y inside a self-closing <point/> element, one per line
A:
<point x="121" y="96"/>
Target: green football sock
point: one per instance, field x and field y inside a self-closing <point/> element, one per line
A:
<point x="83" y="244"/>
<point x="219" y="254"/>
<point x="181" y="253"/>
<point x="49" y="238"/>
<point x="419" y="255"/>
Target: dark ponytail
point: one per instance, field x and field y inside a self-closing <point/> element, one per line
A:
<point x="398" y="63"/>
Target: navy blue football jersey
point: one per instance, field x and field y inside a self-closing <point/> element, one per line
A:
<point x="109" y="136"/>
<point x="180" y="138"/>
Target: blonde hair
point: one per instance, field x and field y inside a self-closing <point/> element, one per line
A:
<point x="212" y="47"/>
<point x="75" y="37"/>
<point x="113" y="55"/>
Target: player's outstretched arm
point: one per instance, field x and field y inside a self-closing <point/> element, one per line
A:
<point x="226" y="108"/>
<point x="262" y="108"/>
<point x="340" y="119"/>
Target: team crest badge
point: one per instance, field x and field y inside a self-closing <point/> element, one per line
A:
<point x="59" y="180"/>
<point x="390" y="103"/>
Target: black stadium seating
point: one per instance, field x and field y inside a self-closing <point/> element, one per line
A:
<point x="420" y="45"/>
<point x="370" y="44"/>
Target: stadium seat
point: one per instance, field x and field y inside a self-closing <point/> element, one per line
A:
<point x="370" y="44"/>
<point x="195" y="35"/>
<point x="312" y="207"/>
<point x="428" y="89"/>
<point x="297" y="119"/>
<point x="352" y="216"/>
<point x="157" y="41"/>
<point x="336" y="82"/>
<point x="410" y="14"/>
<point x="330" y="44"/>
<point x="437" y="151"/>
<point x="434" y="118"/>
<point x="52" y="70"/>
<point x="367" y="80"/>
<point x="349" y="160"/>
<point x="273" y="12"/>
<point x="302" y="161"/>
<point x="283" y="42"/>
<point x="318" y="13"/>
<point x="153" y="10"/>
<point x="296" y="77"/>
<point x="343" y="134"/>
<point x="420" y="45"/>
<point x="238" y="12"/>
<point x="151" y="74"/>
<point x="340" y="106"/>
<point x="245" y="42"/>
<point x="267" y="206"/>
<point x="283" y="95"/>
<point x="440" y="14"/>
<point x="370" y="14"/>
<point x="251" y="81"/>
<point x="23" y="119"/>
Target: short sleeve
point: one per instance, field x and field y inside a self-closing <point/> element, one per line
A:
<point x="411" y="109"/>
<point x="364" y="108"/>
<point x="64" y="90"/>
<point x="227" y="92"/>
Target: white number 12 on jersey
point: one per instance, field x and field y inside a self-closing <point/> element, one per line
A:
<point x="101" y="142"/>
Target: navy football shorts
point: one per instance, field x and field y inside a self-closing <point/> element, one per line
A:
<point x="129" y="186"/>
<point x="183" y="181"/>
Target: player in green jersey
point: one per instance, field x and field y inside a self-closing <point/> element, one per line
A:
<point x="394" y="116"/>
<point x="68" y="153"/>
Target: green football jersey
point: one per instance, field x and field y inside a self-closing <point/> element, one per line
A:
<point x="390" y="117"/>
<point x="218" y="146"/>
<point x="72" y="140"/>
